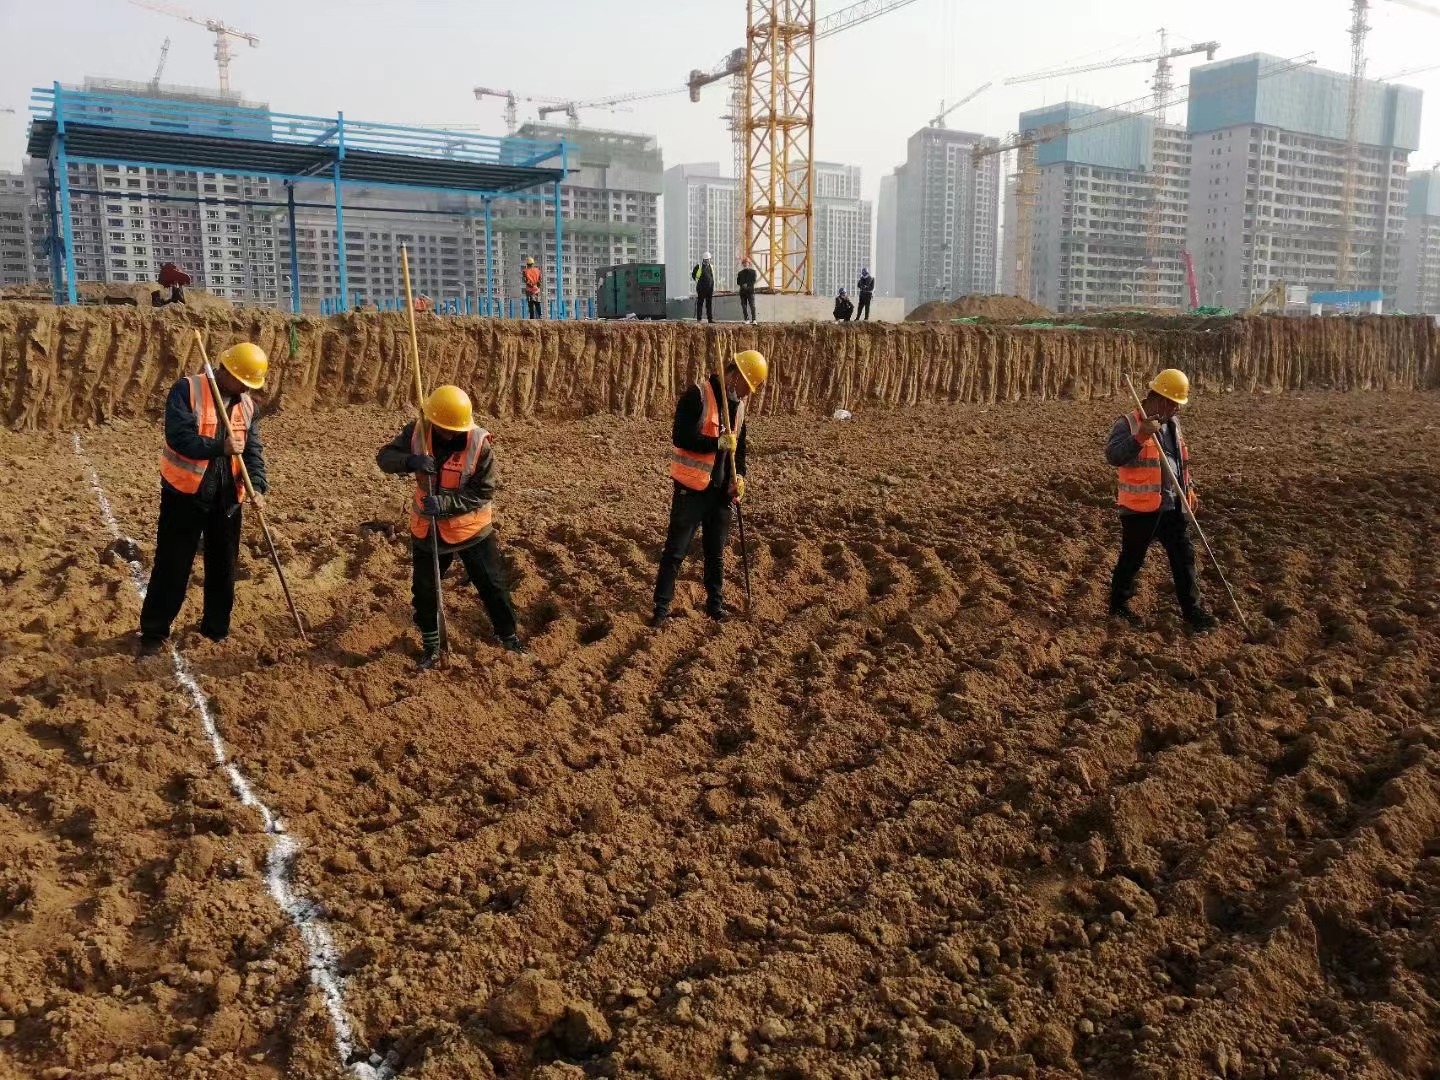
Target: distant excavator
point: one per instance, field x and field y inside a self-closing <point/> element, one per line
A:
<point x="1275" y="295"/>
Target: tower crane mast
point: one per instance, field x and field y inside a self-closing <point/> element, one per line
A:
<point x="222" y="33"/>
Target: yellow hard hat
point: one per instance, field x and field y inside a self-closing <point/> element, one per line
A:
<point x="1172" y="383"/>
<point x="247" y="362"/>
<point x="753" y="368"/>
<point x="448" y="407"/>
<point x="529" y="262"/>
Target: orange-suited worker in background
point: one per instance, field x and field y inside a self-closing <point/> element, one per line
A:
<point x="531" y="278"/>
<point x="1147" y="501"/>
<point x="704" y="486"/>
<point x="201" y="492"/>
<point x="457" y="455"/>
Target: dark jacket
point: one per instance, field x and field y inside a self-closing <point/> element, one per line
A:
<point x="394" y="458"/>
<point x="182" y="432"/>
<point x="704" y="277"/>
<point x="746" y="278"/>
<point x="843" y="308"/>
<point x="685" y="433"/>
<point x="866" y="285"/>
<point x="1122" y="448"/>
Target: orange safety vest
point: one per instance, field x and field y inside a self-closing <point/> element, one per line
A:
<point x="455" y="473"/>
<point x="1141" y="482"/>
<point x="693" y="470"/>
<point x="184" y="474"/>
<point x="532" y="279"/>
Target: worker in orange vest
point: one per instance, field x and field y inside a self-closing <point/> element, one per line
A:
<point x="704" y="487"/>
<point x="1147" y="501"/>
<point x="451" y="452"/>
<point x="531" y="279"/>
<point x="201" y="493"/>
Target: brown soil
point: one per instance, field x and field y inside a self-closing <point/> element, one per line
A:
<point x="994" y="308"/>
<point x="67" y="367"/>
<point x="926" y="815"/>
<point x="98" y="292"/>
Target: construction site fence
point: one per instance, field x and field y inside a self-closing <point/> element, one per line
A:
<point x="479" y="307"/>
<point x="70" y="367"/>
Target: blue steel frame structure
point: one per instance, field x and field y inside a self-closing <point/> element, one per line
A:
<point x="150" y="132"/>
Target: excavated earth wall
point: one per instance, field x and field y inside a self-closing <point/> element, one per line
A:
<point x="62" y="368"/>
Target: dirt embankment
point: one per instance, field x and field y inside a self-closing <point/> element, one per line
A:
<point x="68" y="367"/>
<point x="997" y="308"/>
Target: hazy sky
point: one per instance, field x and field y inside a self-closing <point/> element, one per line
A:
<point x="416" y="62"/>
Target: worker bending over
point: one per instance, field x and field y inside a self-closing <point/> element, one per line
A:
<point x="843" y="306"/>
<point x="201" y="492"/>
<point x="1148" y="502"/>
<point x="703" y="483"/>
<point x="452" y="458"/>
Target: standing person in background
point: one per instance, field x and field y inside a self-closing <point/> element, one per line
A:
<point x="201" y="492"/>
<point x="867" y="290"/>
<point x="530" y="277"/>
<point x="704" y="277"/>
<point x="745" y="283"/>
<point x="843" y="307"/>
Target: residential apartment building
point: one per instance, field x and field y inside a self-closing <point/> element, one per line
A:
<point x="24" y="232"/>
<point x="610" y="205"/>
<point x="947" y="211"/>
<point x="1269" y="153"/>
<point x="885" y="211"/>
<point x="702" y="213"/>
<point x="1110" y="210"/>
<point x="1420" y="252"/>
<point x="842" y="228"/>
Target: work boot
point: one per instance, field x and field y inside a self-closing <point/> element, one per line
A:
<point x="429" y="659"/>
<point x="513" y="644"/>
<point x="1200" y="621"/>
<point x="1122" y="613"/>
<point x="716" y="612"/>
<point x="150" y="646"/>
<point x="659" y="615"/>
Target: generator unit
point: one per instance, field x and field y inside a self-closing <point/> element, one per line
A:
<point x="636" y="289"/>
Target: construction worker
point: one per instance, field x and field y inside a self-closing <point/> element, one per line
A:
<point x="454" y="468"/>
<point x="866" y="286"/>
<point x="703" y="274"/>
<point x="1147" y="500"/>
<point x="704" y="486"/>
<point x="201" y="492"/>
<point x="745" y="285"/>
<point x="843" y="307"/>
<point x="530" y="278"/>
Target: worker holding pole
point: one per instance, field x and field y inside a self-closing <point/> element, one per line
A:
<point x="707" y="470"/>
<point x="1155" y="497"/>
<point x="202" y="490"/>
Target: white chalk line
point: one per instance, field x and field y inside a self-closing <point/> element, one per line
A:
<point x="323" y="959"/>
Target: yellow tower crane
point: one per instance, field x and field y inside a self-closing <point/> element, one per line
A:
<point x="222" y="33"/>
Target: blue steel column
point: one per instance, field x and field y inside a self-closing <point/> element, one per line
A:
<point x="53" y="240"/>
<point x="560" y="240"/>
<point x="67" y="233"/>
<point x="340" y="216"/>
<point x="490" y="299"/>
<point x="294" y="252"/>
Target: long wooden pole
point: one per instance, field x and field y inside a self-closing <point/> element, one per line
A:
<point x="423" y="427"/>
<point x="724" y="411"/>
<point x="1183" y="498"/>
<point x="224" y="415"/>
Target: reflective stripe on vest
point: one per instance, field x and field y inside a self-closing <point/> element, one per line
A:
<point x="688" y="468"/>
<point x="184" y="474"/>
<point x="455" y="473"/>
<point x="1140" y="484"/>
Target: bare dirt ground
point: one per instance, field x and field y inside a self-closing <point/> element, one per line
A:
<point x="926" y="815"/>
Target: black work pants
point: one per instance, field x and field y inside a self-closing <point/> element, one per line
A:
<point x="183" y="521"/>
<point x="1137" y="532"/>
<point x="532" y="307"/>
<point x="863" y="310"/>
<point x="747" y="306"/>
<point x="703" y="302"/>
<point x="708" y="511"/>
<point x="482" y="562"/>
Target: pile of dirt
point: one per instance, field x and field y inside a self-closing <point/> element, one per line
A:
<point x="926" y="815"/>
<point x="69" y="367"/>
<point x="999" y="309"/>
<point x="141" y="292"/>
